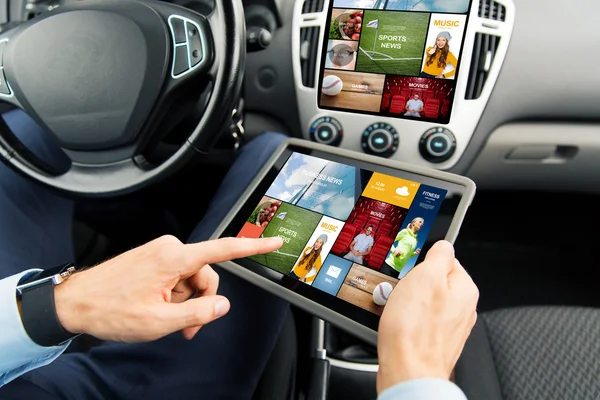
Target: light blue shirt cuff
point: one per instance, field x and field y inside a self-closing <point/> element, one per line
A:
<point x="423" y="389"/>
<point x="18" y="353"/>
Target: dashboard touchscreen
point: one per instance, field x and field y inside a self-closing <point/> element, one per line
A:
<point x="395" y="58"/>
<point x="351" y="230"/>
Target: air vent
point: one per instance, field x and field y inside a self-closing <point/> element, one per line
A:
<point x="312" y="6"/>
<point x="309" y="43"/>
<point x="490" y="9"/>
<point x="484" y="51"/>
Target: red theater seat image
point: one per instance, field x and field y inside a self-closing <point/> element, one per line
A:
<point x="398" y="104"/>
<point x="375" y="222"/>
<point x="344" y="239"/>
<point x="379" y="252"/>
<point x="405" y="92"/>
<point x="428" y="94"/>
<point x="360" y="220"/>
<point x="432" y="109"/>
<point x="385" y="228"/>
<point x="394" y="90"/>
<point x="385" y="103"/>
<point x="445" y="111"/>
<point x="419" y="92"/>
<point x="441" y="96"/>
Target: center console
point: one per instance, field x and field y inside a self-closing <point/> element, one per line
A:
<point x="358" y="66"/>
<point x="403" y="79"/>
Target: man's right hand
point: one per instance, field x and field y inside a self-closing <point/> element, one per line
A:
<point x="426" y="320"/>
<point x="149" y="292"/>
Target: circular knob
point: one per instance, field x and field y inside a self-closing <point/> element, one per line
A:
<point x="326" y="130"/>
<point x="380" y="139"/>
<point x="437" y="145"/>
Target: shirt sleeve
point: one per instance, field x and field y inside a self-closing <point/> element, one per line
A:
<point x="19" y="354"/>
<point x="423" y="389"/>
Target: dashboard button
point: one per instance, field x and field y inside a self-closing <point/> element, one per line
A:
<point x="437" y="145"/>
<point x="180" y="64"/>
<point x="195" y="44"/>
<point x="380" y="139"/>
<point x="178" y="29"/>
<point x="326" y="130"/>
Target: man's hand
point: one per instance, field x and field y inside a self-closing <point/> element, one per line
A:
<point x="146" y="293"/>
<point x="427" y="320"/>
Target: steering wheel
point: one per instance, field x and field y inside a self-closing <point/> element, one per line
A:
<point x="107" y="78"/>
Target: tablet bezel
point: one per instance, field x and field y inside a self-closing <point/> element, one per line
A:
<point x="362" y="323"/>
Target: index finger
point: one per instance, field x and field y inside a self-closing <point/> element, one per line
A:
<point x="226" y="249"/>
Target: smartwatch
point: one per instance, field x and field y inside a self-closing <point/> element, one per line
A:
<point x="38" y="309"/>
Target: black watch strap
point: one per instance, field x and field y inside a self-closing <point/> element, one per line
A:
<point x="38" y="313"/>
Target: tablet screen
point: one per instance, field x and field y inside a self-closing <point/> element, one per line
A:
<point x="398" y="58"/>
<point x="350" y="232"/>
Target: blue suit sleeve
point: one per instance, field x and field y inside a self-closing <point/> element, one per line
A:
<point x="19" y="354"/>
<point x="423" y="389"/>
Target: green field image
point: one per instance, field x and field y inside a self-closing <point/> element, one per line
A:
<point x="396" y="46"/>
<point x="296" y="228"/>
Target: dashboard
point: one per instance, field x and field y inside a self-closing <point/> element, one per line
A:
<point x="525" y="110"/>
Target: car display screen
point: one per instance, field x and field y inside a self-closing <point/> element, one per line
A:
<point x="348" y="232"/>
<point x="395" y="58"/>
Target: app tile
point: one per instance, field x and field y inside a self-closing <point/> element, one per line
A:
<point x="295" y="226"/>
<point x="332" y="275"/>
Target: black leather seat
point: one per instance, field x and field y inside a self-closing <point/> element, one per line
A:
<point x="533" y="353"/>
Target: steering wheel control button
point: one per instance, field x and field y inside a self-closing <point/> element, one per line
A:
<point x="380" y="139"/>
<point x="4" y="89"/>
<point x="178" y="29"/>
<point x="437" y="145"/>
<point x="189" y="45"/>
<point x="326" y="130"/>
<point x="195" y="44"/>
<point x="180" y="64"/>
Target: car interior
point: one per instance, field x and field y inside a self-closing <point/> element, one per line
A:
<point x="521" y="118"/>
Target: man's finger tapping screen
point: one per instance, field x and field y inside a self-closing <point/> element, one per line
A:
<point x="347" y="231"/>
<point x="396" y="58"/>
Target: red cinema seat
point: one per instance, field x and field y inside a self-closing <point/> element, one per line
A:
<point x="385" y="228"/>
<point x="441" y="96"/>
<point x="445" y="111"/>
<point x="417" y="91"/>
<point x="428" y="94"/>
<point x="432" y="109"/>
<point x="375" y="222"/>
<point x="398" y="104"/>
<point x="394" y="90"/>
<point x="385" y="102"/>
<point x="360" y="220"/>
<point x="344" y="239"/>
<point x="379" y="252"/>
<point x="405" y="92"/>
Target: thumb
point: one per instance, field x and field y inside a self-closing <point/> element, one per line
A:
<point x="196" y="312"/>
<point x="441" y="256"/>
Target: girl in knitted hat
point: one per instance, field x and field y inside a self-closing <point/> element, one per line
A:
<point x="438" y="57"/>
<point x="310" y="262"/>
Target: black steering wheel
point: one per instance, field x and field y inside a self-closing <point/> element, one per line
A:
<point x="107" y="78"/>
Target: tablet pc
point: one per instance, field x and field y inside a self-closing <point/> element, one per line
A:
<point x="352" y="226"/>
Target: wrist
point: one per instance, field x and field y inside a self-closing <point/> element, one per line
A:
<point x="393" y="372"/>
<point x="67" y="302"/>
